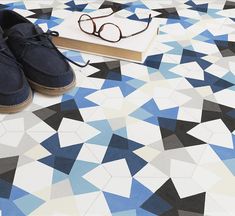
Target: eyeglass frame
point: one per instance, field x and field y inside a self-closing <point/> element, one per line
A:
<point x="97" y="33"/>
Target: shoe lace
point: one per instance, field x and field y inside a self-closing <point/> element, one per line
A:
<point x="45" y="39"/>
<point x="4" y="52"/>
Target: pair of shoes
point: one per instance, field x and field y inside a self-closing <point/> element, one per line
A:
<point x="28" y="58"/>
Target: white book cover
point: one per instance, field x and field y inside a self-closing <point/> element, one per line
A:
<point x="138" y="44"/>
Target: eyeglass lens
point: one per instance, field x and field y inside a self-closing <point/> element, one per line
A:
<point x="110" y="32"/>
<point x="86" y="24"/>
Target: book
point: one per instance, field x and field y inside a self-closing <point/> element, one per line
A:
<point x="131" y="49"/>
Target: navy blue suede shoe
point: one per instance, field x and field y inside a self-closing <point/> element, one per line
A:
<point x="45" y="67"/>
<point x="15" y="92"/>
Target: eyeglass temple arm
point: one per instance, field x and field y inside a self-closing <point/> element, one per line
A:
<point x="98" y="17"/>
<point x="150" y="16"/>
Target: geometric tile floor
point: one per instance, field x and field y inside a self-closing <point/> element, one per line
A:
<point x="156" y="138"/>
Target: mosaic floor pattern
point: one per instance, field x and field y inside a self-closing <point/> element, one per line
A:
<point x="131" y="139"/>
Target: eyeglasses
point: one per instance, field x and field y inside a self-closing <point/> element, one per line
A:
<point x="108" y="31"/>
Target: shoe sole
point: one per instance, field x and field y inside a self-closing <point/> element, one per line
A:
<point x="51" y="91"/>
<point x="18" y="107"/>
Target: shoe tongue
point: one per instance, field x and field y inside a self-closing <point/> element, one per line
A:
<point x="23" y="30"/>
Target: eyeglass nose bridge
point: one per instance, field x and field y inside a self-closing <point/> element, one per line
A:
<point x="96" y="34"/>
